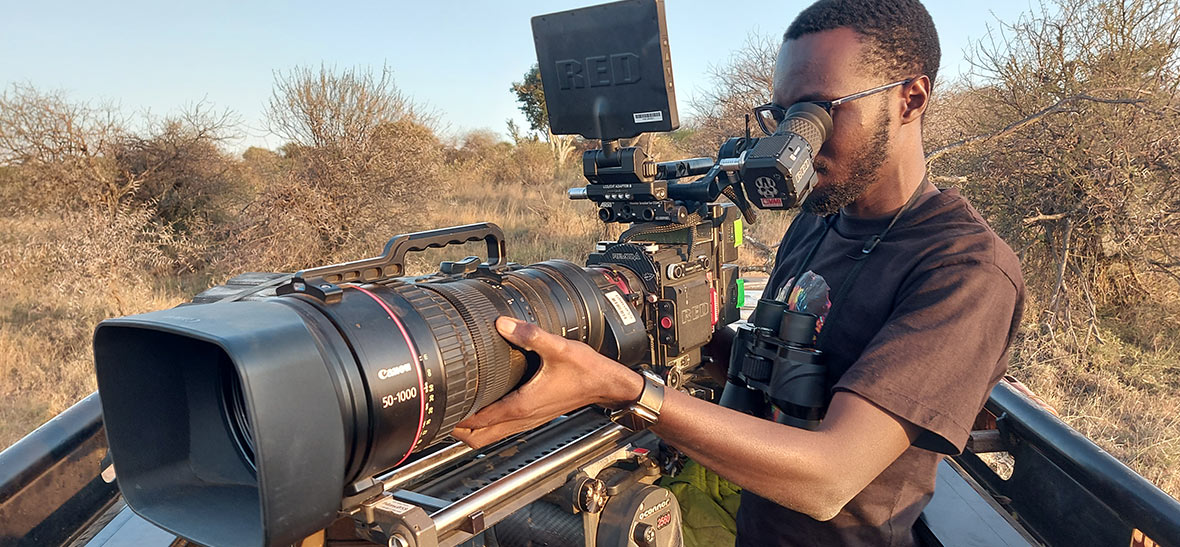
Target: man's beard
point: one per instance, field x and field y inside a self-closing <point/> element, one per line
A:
<point x="863" y="169"/>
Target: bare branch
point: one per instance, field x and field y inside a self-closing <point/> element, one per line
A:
<point x="1044" y="218"/>
<point x="1167" y="270"/>
<point x="1013" y="127"/>
<point x="760" y="246"/>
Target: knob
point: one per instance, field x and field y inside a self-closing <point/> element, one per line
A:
<point x="591" y="495"/>
<point x="645" y="535"/>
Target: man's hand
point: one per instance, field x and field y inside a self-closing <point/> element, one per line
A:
<point x="571" y="376"/>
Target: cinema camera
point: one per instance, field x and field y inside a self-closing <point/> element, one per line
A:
<point x="277" y="404"/>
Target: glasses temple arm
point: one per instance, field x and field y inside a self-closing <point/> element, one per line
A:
<point x="868" y="92"/>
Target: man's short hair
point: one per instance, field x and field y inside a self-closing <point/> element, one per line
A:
<point x="901" y="34"/>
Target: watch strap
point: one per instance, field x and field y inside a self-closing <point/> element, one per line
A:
<point x="645" y="411"/>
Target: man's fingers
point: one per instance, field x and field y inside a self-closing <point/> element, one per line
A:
<point x="530" y="336"/>
<point x="463" y="434"/>
<point x="508" y="408"/>
<point x="480" y="437"/>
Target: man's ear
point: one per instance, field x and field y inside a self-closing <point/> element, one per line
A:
<point x="915" y="99"/>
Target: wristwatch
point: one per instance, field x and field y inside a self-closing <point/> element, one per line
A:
<point x="644" y="412"/>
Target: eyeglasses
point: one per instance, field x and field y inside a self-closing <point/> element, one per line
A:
<point x="770" y="115"/>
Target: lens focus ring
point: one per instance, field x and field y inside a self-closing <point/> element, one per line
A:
<point x="479" y="314"/>
<point x="454" y="344"/>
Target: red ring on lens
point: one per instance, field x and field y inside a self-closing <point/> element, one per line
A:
<point x="417" y="370"/>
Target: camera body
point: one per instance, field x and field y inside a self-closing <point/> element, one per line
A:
<point x="693" y="287"/>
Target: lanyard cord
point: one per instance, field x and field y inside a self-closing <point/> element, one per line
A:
<point x="783" y="296"/>
<point x="872" y="242"/>
<point x="869" y="246"/>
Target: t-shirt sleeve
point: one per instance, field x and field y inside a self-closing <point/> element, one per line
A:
<point x="940" y="352"/>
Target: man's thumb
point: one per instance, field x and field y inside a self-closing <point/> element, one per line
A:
<point x="513" y="330"/>
<point x="529" y="336"/>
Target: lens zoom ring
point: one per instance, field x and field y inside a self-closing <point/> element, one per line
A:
<point x="454" y="344"/>
<point x="495" y="374"/>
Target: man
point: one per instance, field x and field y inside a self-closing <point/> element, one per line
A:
<point x="917" y="340"/>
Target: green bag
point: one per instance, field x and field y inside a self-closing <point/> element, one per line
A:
<point x="708" y="505"/>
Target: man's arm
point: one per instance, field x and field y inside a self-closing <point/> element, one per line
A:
<point x="813" y="472"/>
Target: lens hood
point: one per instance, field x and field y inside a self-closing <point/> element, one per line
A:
<point x="162" y="375"/>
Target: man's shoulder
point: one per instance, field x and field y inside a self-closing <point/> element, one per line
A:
<point x="953" y="233"/>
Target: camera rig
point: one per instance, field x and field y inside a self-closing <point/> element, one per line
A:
<point x="277" y="404"/>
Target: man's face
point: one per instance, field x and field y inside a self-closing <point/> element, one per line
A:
<point x="825" y="66"/>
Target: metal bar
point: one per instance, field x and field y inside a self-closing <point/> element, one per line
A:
<point x="50" y="487"/>
<point x="453" y="517"/>
<point x="45" y="447"/>
<point x="683" y="168"/>
<point x="425" y="466"/>
<point x="1139" y="502"/>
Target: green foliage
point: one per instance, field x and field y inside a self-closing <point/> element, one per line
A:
<point x="531" y="96"/>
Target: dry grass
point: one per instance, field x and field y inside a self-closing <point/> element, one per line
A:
<point x="61" y="276"/>
<point x="65" y="273"/>
<point x="1121" y="394"/>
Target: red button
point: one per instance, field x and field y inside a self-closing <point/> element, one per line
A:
<point x="666" y="322"/>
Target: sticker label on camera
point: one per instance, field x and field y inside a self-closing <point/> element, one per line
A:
<point x="621" y="307"/>
<point x="395" y="506"/>
<point x="648" y="117"/>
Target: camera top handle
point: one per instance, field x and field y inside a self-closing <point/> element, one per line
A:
<point x="322" y="282"/>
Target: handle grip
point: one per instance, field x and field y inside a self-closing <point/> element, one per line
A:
<point x="391" y="263"/>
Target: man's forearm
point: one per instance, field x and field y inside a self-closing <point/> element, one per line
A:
<point x="790" y="466"/>
<point x="780" y="463"/>
<point x="814" y="472"/>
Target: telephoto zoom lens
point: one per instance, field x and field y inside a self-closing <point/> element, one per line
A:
<point x="257" y="414"/>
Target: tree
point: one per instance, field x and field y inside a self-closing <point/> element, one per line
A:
<point x="531" y="96"/>
<point x="365" y="156"/>
<point x="338" y="113"/>
<point x="741" y="84"/>
<point x="1068" y="138"/>
<point x="76" y="155"/>
<point x="530" y="93"/>
<point x="61" y="149"/>
<point x="179" y="167"/>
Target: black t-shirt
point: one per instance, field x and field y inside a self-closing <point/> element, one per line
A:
<point x="922" y="332"/>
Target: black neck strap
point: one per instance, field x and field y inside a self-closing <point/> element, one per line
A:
<point x="783" y="296"/>
<point x="872" y="242"/>
<point x="869" y="246"/>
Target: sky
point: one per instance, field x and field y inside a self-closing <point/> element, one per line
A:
<point x="457" y="58"/>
